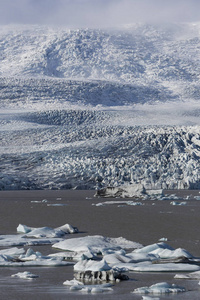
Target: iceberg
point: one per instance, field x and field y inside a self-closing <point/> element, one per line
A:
<point x="193" y="275"/>
<point x="46" y="231"/>
<point x="95" y="266"/>
<point x="25" y="275"/>
<point x="96" y="244"/>
<point x="30" y="258"/>
<point x="160" y="288"/>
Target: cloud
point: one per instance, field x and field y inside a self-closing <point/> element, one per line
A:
<point x="97" y="13"/>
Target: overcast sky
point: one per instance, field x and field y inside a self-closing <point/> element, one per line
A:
<point x="97" y="13"/>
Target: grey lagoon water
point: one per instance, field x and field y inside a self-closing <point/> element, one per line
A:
<point x="145" y="224"/>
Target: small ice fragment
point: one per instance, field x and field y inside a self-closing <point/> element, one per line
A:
<point x="57" y="204"/>
<point x="23" y="228"/>
<point x="178" y="203"/>
<point x="72" y="282"/>
<point x="149" y="298"/>
<point x="163" y="239"/>
<point x="25" y="275"/>
<point x="160" y="288"/>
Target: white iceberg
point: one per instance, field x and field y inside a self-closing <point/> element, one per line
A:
<point x="115" y="258"/>
<point x="72" y="282"/>
<point x="155" y="267"/>
<point x="75" y="285"/>
<point x="30" y="258"/>
<point x="160" y="288"/>
<point x="36" y="236"/>
<point x="178" y="203"/>
<point x="100" y="288"/>
<point x="96" y="244"/>
<point x="14" y="252"/>
<point x="91" y="265"/>
<point x="120" y="203"/>
<point x="46" y="231"/>
<point x="171" y="254"/>
<point x="22" y="240"/>
<point x="193" y="275"/>
<point x="25" y="275"/>
<point x="149" y="298"/>
<point x="153" y="247"/>
<point x="75" y="256"/>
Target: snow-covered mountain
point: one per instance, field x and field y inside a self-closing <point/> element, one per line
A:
<point x="94" y="108"/>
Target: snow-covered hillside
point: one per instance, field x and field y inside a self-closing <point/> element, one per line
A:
<point x="95" y="108"/>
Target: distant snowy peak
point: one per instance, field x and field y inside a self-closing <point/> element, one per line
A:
<point x="138" y="54"/>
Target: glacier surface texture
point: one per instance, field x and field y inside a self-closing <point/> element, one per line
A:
<point x="88" y="108"/>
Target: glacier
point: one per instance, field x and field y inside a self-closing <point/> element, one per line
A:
<point x="92" y="108"/>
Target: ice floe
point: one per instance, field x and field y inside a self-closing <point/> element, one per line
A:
<point x="30" y="258"/>
<point x="46" y="231"/>
<point x="193" y="275"/>
<point x="85" y="265"/>
<point x="36" y="236"/>
<point x="160" y="288"/>
<point x="158" y="257"/>
<point x="178" y="203"/>
<point x="25" y="275"/>
<point x="119" y="203"/>
<point x="96" y="244"/>
<point x="75" y="285"/>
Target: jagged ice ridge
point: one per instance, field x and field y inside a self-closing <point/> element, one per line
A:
<point x="94" y="108"/>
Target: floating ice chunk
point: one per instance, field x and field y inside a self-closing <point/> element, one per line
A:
<point x="163" y="239"/>
<point x="116" y="258"/>
<point x="193" y="275"/>
<point x="119" y="203"/>
<point x="149" y="298"/>
<point x="168" y="253"/>
<point x="96" y="244"/>
<point x="46" y="231"/>
<point x="160" y="267"/>
<point x="178" y="203"/>
<point x="25" y="275"/>
<point x="91" y="265"/>
<point x="23" y="229"/>
<point x="75" y="285"/>
<point x="75" y="256"/>
<point x="22" y="240"/>
<point x="92" y="288"/>
<point x="57" y="204"/>
<point x="30" y="255"/>
<point x="72" y="282"/>
<point x="153" y="247"/>
<point x="14" y="252"/>
<point x="34" y="261"/>
<point x="67" y="228"/>
<point x="128" y="190"/>
<point x="160" y="288"/>
<point x="197" y="197"/>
